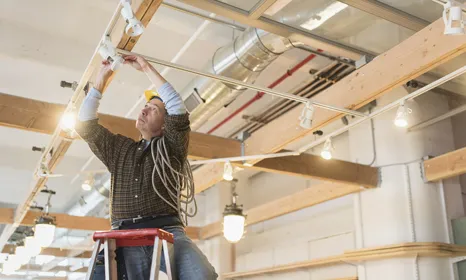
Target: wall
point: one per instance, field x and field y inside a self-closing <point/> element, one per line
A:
<point x="402" y="209"/>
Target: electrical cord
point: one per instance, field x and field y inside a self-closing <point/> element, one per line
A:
<point x="179" y="184"/>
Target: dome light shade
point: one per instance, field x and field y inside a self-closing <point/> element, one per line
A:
<point x="233" y="227"/>
<point x="32" y="247"/>
<point x="44" y="231"/>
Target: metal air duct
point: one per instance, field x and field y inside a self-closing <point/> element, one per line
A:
<point x="243" y="59"/>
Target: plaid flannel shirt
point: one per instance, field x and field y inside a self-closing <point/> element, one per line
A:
<point x="130" y="164"/>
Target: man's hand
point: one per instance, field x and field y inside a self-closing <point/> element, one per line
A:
<point x="104" y="75"/>
<point x="137" y="62"/>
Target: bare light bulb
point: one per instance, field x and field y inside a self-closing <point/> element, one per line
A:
<point x="326" y="152"/>
<point x="401" y="118"/>
<point x="68" y="121"/>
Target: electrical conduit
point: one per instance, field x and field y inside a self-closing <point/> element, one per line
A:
<point x="259" y="95"/>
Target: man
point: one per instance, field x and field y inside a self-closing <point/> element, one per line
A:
<point x="137" y="200"/>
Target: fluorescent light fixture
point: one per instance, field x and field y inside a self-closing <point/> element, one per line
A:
<point x="277" y="6"/>
<point x="319" y="19"/>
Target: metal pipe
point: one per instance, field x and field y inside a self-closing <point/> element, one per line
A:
<point x="193" y="13"/>
<point x="384" y="109"/>
<point x="243" y="84"/>
<point x="437" y="119"/>
<point x="241" y="158"/>
<point x="259" y="94"/>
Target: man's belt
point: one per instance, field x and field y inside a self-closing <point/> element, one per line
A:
<point x="157" y="221"/>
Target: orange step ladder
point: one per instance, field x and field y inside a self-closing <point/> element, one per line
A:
<point x="111" y="240"/>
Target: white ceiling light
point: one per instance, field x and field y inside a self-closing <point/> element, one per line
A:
<point x="327" y="150"/>
<point x="401" y="118"/>
<point x="44" y="230"/>
<point x="133" y="27"/>
<point x="22" y="254"/>
<point x="32" y="247"/>
<point x="453" y="18"/>
<point x="233" y="219"/>
<point x="228" y="171"/>
<point x="68" y="121"/>
<point x="108" y="52"/>
<point x="306" y="116"/>
<point x="87" y="185"/>
<point x="319" y="19"/>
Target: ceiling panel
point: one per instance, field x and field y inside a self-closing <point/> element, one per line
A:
<point x="337" y="21"/>
<point x="425" y="9"/>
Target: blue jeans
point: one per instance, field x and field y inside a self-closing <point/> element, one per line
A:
<point x="189" y="264"/>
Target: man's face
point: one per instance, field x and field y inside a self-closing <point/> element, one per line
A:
<point x="151" y="118"/>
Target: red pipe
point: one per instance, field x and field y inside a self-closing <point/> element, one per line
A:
<point x="260" y="94"/>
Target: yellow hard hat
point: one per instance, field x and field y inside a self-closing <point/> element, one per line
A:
<point x="150" y="94"/>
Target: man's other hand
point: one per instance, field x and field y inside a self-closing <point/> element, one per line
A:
<point x="137" y="62"/>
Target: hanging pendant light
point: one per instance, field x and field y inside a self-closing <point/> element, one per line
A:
<point x="44" y="231"/>
<point x="233" y="219"/>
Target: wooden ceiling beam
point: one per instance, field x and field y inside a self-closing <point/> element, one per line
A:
<point x="73" y="222"/>
<point x="413" y="57"/>
<point x="43" y="117"/>
<point x="445" y="166"/>
<point x="306" y="198"/>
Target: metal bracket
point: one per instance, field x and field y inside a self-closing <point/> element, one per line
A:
<point x="242" y="136"/>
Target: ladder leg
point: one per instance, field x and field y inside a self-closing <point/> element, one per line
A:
<point x="110" y="262"/>
<point x="169" y="255"/>
<point x="156" y="256"/>
<point x="95" y="252"/>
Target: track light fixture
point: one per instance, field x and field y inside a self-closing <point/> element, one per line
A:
<point x="401" y="118"/>
<point x="326" y="152"/>
<point x="108" y="52"/>
<point x="306" y="116"/>
<point x="228" y="171"/>
<point x="134" y="27"/>
<point x="453" y="18"/>
<point x="233" y="218"/>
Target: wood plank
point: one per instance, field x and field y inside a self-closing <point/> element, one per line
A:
<point x="445" y="166"/>
<point x="424" y="249"/>
<point x="74" y="222"/>
<point x="291" y="203"/>
<point x="43" y="117"/>
<point x="420" y="53"/>
<point x="388" y="13"/>
<point x="315" y="167"/>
